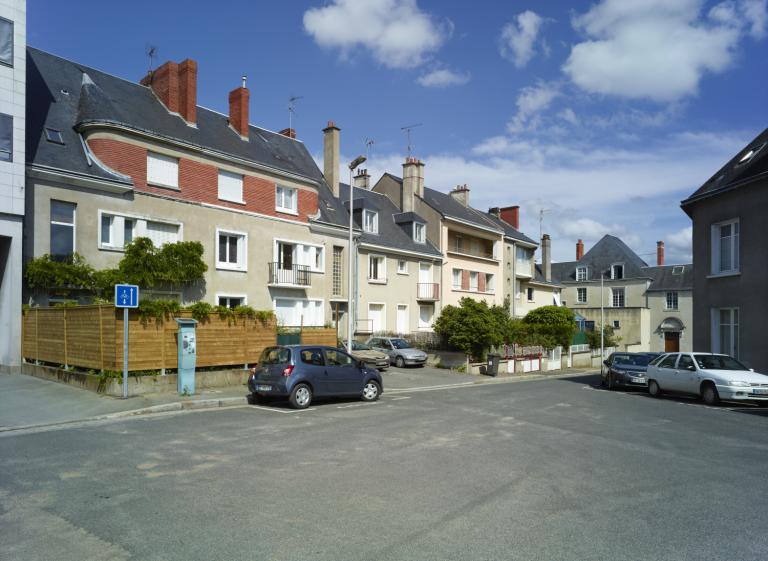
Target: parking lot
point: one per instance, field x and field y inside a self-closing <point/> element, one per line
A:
<point x="548" y="469"/>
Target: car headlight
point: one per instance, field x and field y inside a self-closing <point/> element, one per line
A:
<point x="619" y="371"/>
<point x="738" y="383"/>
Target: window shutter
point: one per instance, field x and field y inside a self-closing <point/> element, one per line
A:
<point x="230" y="186"/>
<point x="465" y="280"/>
<point x="163" y="170"/>
<point x="161" y="233"/>
<point x="481" y="282"/>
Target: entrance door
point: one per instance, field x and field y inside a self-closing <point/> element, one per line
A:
<point x="671" y="341"/>
<point x="402" y="319"/>
<point x="376" y="316"/>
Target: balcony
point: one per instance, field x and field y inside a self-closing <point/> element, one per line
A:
<point x="472" y="251"/>
<point x="428" y="291"/>
<point x="292" y="276"/>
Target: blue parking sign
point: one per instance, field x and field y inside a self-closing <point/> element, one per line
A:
<point x="126" y="296"/>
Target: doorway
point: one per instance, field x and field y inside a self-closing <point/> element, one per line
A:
<point x="671" y="341"/>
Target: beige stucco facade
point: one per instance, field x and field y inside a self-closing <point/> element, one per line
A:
<point x="662" y="316"/>
<point x="194" y="222"/>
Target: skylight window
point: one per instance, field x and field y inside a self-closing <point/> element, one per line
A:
<point x="749" y="154"/>
<point x="53" y="135"/>
<point x="678" y="270"/>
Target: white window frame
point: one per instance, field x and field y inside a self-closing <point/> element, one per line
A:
<point x="582" y="273"/>
<point x="407" y="317"/>
<point x="373" y="227"/>
<point x="383" y="267"/>
<point x="73" y="225"/>
<point x="490" y="283"/>
<point x="518" y="290"/>
<point x="419" y="227"/>
<point x="402" y="270"/>
<point x="530" y="294"/>
<point x="220" y="295"/>
<point x="242" y="251"/>
<point x="735" y="318"/>
<point x="162" y="160"/>
<point x="296" y="302"/>
<point x="230" y="180"/>
<point x="299" y="253"/>
<point x="675" y="296"/>
<point x="280" y="191"/>
<point x="117" y="241"/>
<point x="735" y="241"/>
<point x="453" y="278"/>
<point x="383" y="315"/>
<point x="614" y="293"/>
<point x="426" y="327"/>
<point x="579" y="299"/>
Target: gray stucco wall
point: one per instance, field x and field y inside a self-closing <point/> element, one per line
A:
<point x="747" y="290"/>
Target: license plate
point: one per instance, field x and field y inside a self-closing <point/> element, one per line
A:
<point x="638" y="380"/>
<point x="263" y="388"/>
<point x="759" y="391"/>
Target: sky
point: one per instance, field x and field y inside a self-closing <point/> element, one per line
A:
<point x="604" y="115"/>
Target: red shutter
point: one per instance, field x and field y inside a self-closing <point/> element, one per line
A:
<point x="465" y="280"/>
<point x="481" y="282"/>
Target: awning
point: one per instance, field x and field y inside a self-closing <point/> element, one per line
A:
<point x="671" y="324"/>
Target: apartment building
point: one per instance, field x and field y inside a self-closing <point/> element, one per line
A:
<point x="110" y="160"/>
<point x="13" y="77"/>
<point x="731" y="266"/>
<point x="649" y="308"/>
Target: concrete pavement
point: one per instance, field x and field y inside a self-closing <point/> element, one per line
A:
<point x="26" y="401"/>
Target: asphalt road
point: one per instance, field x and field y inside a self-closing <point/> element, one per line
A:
<point x="548" y="469"/>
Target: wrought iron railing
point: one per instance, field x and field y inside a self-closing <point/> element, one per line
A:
<point x="428" y="291"/>
<point x="289" y="275"/>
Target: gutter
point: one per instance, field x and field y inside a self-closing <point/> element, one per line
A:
<point x="81" y="180"/>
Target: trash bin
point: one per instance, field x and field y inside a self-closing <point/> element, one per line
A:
<point x="492" y="368"/>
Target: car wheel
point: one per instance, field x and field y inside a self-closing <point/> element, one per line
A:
<point x="371" y="391"/>
<point x="653" y="388"/>
<point x="709" y="394"/>
<point x="400" y="362"/>
<point x="301" y="396"/>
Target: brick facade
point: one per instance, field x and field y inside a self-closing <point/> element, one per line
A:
<point x="198" y="182"/>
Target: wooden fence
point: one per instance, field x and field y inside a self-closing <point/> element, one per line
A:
<point x="92" y="337"/>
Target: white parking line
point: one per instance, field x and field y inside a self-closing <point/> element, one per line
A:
<point x="284" y="411"/>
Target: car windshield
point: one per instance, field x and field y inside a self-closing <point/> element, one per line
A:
<point x="275" y="355"/>
<point x="718" y="362"/>
<point x="632" y="360"/>
<point x="400" y="344"/>
<point x="360" y="346"/>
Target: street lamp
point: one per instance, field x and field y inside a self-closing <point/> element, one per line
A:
<point x="352" y="165"/>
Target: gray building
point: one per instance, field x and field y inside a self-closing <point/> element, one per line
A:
<point x="13" y="14"/>
<point x="730" y="231"/>
<point x="649" y="308"/>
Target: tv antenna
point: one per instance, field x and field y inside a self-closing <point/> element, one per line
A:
<point x="151" y="53"/>
<point x="542" y="211"/>
<point x="369" y="142"/>
<point x="292" y="108"/>
<point x="408" y="130"/>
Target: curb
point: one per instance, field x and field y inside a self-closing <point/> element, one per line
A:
<point x="190" y="404"/>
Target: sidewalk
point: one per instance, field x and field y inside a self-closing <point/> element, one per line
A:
<point x="27" y="401"/>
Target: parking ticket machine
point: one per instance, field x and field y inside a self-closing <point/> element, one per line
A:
<point x="187" y="348"/>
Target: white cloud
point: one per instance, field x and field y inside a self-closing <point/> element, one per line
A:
<point x="679" y="244"/>
<point x="517" y="39"/>
<point x="442" y="78"/>
<point x="397" y="33"/>
<point x="658" y="49"/>
<point x="569" y="116"/>
<point x="530" y="102"/>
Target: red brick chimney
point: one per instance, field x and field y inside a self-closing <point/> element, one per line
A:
<point x="238" y="110"/>
<point x="579" y="250"/>
<point x="659" y="253"/>
<point x="175" y="85"/>
<point x="290" y="133"/>
<point x="511" y="215"/>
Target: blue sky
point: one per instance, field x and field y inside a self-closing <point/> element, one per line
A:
<point x="605" y="113"/>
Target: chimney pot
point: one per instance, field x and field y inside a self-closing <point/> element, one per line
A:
<point x="659" y="253"/>
<point x="175" y="85"/>
<point x="461" y="194"/>
<point x="413" y="183"/>
<point x="331" y="155"/>
<point x="579" y="250"/>
<point x="546" y="257"/>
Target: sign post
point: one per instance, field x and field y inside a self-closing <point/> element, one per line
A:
<point x="126" y="296"/>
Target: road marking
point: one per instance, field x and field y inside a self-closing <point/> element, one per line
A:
<point x="284" y="411"/>
<point x="356" y="405"/>
<point x="399" y="398"/>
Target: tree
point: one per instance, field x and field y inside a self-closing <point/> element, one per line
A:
<point x="472" y="327"/>
<point x="609" y="337"/>
<point x="550" y="326"/>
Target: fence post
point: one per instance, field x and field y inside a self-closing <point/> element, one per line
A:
<point x="101" y="339"/>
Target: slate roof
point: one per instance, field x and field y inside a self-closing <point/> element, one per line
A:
<point x="662" y="278"/>
<point x="736" y="173"/>
<point x="539" y="277"/>
<point x="509" y="230"/>
<point x="390" y="234"/>
<point x="611" y="250"/>
<point x="97" y="97"/>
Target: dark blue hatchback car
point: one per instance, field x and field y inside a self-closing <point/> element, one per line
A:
<point x="303" y="372"/>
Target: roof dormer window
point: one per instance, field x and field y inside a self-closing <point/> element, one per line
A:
<point x="419" y="233"/>
<point x="678" y="270"/>
<point x="370" y="221"/>
<point x="581" y="274"/>
<point x="617" y="271"/>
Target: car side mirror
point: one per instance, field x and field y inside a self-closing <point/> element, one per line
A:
<point x="606" y="363"/>
<point x="751" y="369"/>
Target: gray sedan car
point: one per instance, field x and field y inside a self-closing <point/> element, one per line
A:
<point x="400" y="352"/>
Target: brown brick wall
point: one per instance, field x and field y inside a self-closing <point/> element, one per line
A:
<point x="198" y="182"/>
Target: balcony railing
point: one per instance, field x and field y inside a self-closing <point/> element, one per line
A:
<point x="364" y="326"/>
<point x="474" y="252"/>
<point x="428" y="291"/>
<point x="281" y="274"/>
